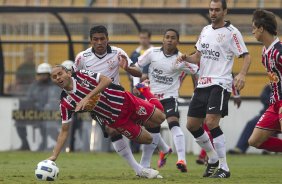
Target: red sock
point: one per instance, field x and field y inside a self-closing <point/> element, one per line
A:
<point x="202" y="154"/>
<point x="208" y="131"/>
<point x="152" y="99"/>
<point x="272" y="144"/>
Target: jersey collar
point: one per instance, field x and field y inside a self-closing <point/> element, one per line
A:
<point x="227" y="23"/>
<point x="175" y="52"/>
<point x="109" y="50"/>
<point x="271" y="45"/>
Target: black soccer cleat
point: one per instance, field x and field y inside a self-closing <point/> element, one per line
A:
<point x="220" y="173"/>
<point x="210" y="169"/>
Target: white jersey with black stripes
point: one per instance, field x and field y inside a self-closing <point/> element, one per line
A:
<point x="218" y="47"/>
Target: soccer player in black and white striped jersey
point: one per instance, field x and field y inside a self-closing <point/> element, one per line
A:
<point x="216" y="47"/>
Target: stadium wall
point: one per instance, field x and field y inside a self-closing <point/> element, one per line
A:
<point x="231" y="125"/>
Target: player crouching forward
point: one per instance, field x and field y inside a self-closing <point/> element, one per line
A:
<point x="93" y="92"/>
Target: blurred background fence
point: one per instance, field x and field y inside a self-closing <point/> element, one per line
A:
<point x="56" y="30"/>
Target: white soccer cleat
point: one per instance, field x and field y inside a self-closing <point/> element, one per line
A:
<point x="149" y="173"/>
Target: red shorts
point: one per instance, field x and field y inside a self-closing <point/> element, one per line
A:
<point x="270" y="119"/>
<point x="134" y="113"/>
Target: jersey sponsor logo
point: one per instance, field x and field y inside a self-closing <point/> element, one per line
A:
<point x="87" y="54"/>
<point x="205" y="80"/>
<point x="141" y="111"/>
<point x="157" y="74"/>
<point x="237" y="43"/>
<point x="209" y="53"/>
<point x="159" y="96"/>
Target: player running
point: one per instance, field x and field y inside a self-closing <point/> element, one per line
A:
<point x="165" y="76"/>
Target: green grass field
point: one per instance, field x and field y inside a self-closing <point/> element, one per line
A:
<point x="18" y="167"/>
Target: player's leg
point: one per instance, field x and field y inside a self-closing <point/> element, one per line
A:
<point x="218" y="108"/>
<point x="172" y="115"/>
<point x="261" y="137"/>
<point x="196" y="116"/>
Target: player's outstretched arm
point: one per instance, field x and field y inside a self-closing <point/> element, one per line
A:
<point x="194" y="58"/>
<point x="104" y="82"/>
<point x="60" y="141"/>
<point x="132" y="70"/>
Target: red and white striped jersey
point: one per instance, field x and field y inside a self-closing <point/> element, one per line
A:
<point x="272" y="61"/>
<point x="109" y="102"/>
<point x="218" y="48"/>
<point x="107" y="64"/>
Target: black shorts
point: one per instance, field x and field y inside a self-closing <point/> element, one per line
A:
<point x="209" y="100"/>
<point x="170" y="107"/>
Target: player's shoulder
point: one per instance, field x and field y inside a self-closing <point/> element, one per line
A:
<point x="278" y="46"/>
<point x="86" y="53"/>
<point x="231" y="28"/>
<point x="114" y="49"/>
<point x="155" y="49"/>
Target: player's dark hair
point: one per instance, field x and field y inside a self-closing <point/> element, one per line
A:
<point x="98" y="29"/>
<point x="173" y="30"/>
<point x="145" y="31"/>
<point x="265" y="19"/>
<point x="223" y="3"/>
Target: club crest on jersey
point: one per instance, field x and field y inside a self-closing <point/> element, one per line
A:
<point x="111" y="64"/>
<point x="141" y="111"/>
<point x="69" y="99"/>
<point x="220" y="37"/>
<point x="85" y="83"/>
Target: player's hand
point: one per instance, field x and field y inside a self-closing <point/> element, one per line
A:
<point x="82" y="104"/>
<point x="53" y="158"/>
<point x="123" y="63"/>
<point x="135" y="91"/>
<point x="181" y="58"/>
<point x="239" y="81"/>
<point x="237" y="101"/>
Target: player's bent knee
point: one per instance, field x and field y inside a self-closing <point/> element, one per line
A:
<point x="144" y="138"/>
<point x="112" y="132"/>
<point x="253" y="142"/>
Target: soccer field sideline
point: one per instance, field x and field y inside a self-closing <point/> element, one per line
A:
<point x="18" y="167"/>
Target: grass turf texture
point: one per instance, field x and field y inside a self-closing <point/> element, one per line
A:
<point x="18" y="167"/>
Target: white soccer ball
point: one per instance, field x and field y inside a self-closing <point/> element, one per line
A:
<point x="46" y="170"/>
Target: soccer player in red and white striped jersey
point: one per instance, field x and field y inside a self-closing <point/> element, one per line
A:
<point x="94" y="92"/>
<point x="265" y="31"/>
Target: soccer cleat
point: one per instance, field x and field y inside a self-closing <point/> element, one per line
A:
<point x="220" y="173"/>
<point x="210" y="169"/>
<point x="141" y="86"/>
<point x="181" y="166"/>
<point x="149" y="173"/>
<point x="163" y="157"/>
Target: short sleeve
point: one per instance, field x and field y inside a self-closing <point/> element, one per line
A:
<point x="78" y="63"/>
<point x="238" y="45"/>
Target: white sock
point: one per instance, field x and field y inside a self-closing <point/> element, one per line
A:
<point x="122" y="148"/>
<point x="148" y="150"/>
<point x="219" y="146"/>
<point x="205" y="143"/>
<point x="179" y="142"/>
<point x="162" y="146"/>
